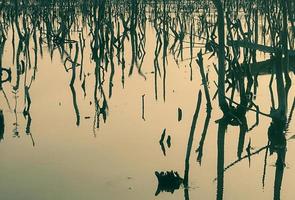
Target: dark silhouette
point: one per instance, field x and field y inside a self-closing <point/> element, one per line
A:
<point x="168" y="141"/>
<point x="189" y="146"/>
<point x="162" y="142"/>
<point x="168" y="182"/>
<point x="222" y="125"/>
<point x="179" y="114"/>
<point x="142" y="107"/>
<point x="203" y="137"/>
<point x="2" y="127"/>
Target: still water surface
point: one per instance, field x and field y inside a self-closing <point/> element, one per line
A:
<point x="58" y="159"/>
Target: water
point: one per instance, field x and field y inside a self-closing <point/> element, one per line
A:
<point x="67" y="151"/>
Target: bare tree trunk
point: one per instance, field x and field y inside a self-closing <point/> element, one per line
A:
<point x="280" y="87"/>
<point x="221" y="57"/>
<point x="284" y="40"/>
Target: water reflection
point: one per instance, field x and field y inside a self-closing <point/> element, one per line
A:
<point x="162" y="142"/>
<point x="189" y="146"/>
<point x="99" y="41"/>
<point x="203" y="137"/>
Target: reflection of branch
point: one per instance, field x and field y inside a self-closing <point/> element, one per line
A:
<point x="242" y="134"/>
<point x="264" y="166"/>
<point x="142" y="107"/>
<point x="189" y="146"/>
<point x="97" y="46"/>
<point x="202" y="141"/>
<point x="190" y="139"/>
<point x="2" y="43"/>
<point x="6" y="99"/>
<point x="74" y="63"/>
<point x="27" y="114"/>
<point x="251" y="109"/>
<point x="291" y="113"/>
<point x="161" y="142"/>
<point x="15" y="130"/>
<point x="280" y="167"/>
<point x="271" y="91"/>
<point x="257" y="119"/>
<point x="244" y="157"/>
<point x="82" y="46"/>
<point x="1" y="125"/>
<point x="204" y="80"/>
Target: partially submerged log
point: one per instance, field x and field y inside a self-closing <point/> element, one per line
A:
<point x="268" y="66"/>
<point x="258" y="47"/>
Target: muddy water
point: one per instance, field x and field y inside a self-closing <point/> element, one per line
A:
<point x="59" y="160"/>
